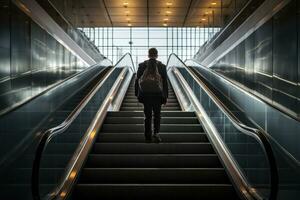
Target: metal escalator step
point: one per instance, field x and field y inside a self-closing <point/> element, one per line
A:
<point x="133" y="104"/>
<point x="134" y="100"/>
<point x="141" y="114"/>
<point x="154" y="175"/>
<point x="141" y="108"/>
<point x="133" y="128"/>
<point x="140" y="120"/>
<point x="140" y="138"/>
<point x="155" y="191"/>
<point x="153" y="160"/>
<point x="152" y="148"/>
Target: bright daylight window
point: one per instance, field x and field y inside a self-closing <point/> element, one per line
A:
<point x="113" y="42"/>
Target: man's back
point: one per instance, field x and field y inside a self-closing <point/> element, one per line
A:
<point x="161" y="70"/>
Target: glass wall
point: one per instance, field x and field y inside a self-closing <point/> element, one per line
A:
<point x="114" y="42"/>
<point x="267" y="62"/>
<point x="31" y="60"/>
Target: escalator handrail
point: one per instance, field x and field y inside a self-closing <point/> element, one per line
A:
<point x="239" y="86"/>
<point x="257" y="134"/>
<point x="293" y="161"/>
<point x="46" y="136"/>
<point x="132" y="66"/>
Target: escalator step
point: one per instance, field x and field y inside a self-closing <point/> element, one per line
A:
<point x="113" y="128"/>
<point x="155" y="191"/>
<point x="153" y="160"/>
<point x="140" y="138"/>
<point x="154" y="175"/>
<point x="141" y="114"/>
<point x="140" y="108"/>
<point x="163" y="148"/>
<point x="140" y="120"/>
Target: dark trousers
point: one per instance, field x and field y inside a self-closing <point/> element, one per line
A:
<point x="152" y="104"/>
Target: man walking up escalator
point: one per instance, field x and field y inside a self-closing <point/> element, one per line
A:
<point x="151" y="89"/>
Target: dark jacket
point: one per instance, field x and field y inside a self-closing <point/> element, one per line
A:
<point x="162" y="71"/>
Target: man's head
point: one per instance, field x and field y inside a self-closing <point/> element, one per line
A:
<point x="152" y="53"/>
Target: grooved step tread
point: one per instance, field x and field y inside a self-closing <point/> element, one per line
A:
<point x="140" y="120"/>
<point x="155" y="191"/>
<point x="151" y="148"/>
<point x="154" y="175"/>
<point x="140" y="138"/>
<point x="153" y="160"/>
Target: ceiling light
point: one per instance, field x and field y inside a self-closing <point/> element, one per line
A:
<point x="168" y="12"/>
<point x="169" y="3"/>
<point x="203" y="19"/>
<point x="128" y="19"/>
<point x="127" y="12"/>
<point x="207" y="12"/>
<point x="129" y="24"/>
<point x="166" y="19"/>
<point x="165" y="24"/>
<point x="125" y="3"/>
<point x="213" y="3"/>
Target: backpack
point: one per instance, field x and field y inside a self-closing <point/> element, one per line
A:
<point x="151" y="82"/>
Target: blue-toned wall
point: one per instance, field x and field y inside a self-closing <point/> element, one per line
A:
<point x="30" y="59"/>
<point x="267" y="62"/>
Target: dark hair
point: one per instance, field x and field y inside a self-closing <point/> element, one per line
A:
<point x="152" y="52"/>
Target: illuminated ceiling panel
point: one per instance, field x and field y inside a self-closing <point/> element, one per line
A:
<point x="153" y="13"/>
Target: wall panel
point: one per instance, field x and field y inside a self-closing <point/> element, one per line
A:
<point x="4" y="40"/>
<point x="31" y="60"/>
<point x="267" y="61"/>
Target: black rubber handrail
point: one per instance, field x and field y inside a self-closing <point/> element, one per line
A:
<point x="47" y="136"/>
<point x="257" y="134"/>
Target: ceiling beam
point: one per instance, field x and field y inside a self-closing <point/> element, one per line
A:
<point x="187" y="13"/>
<point x="107" y="13"/>
<point x="148" y="13"/>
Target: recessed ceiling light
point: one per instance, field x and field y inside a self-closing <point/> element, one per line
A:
<point x="165" y="24"/>
<point x="207" y="12"/>
<point x="213" y="3"/>
<point x="127" y="11"/>
<point x="166" y="19"/>
<point x="169" y="3"/>
<point x="128" y="19"/>
<point x="203" y="19"/>
<point x="129" y="24"/>
<point x="168" y="12"/>
<point x="125" y="3"/>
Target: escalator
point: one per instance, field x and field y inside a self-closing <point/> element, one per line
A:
<point x="183" y="166"/>
<point x="99" y="150"/>
<point x="17" y="175"/>
<point x="278" y="127"/>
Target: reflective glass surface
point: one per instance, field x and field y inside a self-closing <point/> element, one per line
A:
<point x="59" y="151"/>
<point x="282" y="129"/>
<point x="267" y="62"/>
<point x="31" y="60"/>
<point x="247" y="152"/>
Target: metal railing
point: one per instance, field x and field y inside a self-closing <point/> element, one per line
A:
<point x="122" y="67"/>
<point x="177" y="69"/>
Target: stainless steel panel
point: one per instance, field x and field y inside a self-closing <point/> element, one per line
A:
<point x="20" y="42"/>
<point x="4" y="40"/>
<point x="249" y="61"/>
<point x="263" y="60"/>
<point x="267" y="61"/>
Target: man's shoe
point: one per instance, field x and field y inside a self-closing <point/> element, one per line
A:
<point x="156" y="138"/>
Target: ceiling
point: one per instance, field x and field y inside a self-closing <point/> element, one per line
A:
<point x="152" y="13"/>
